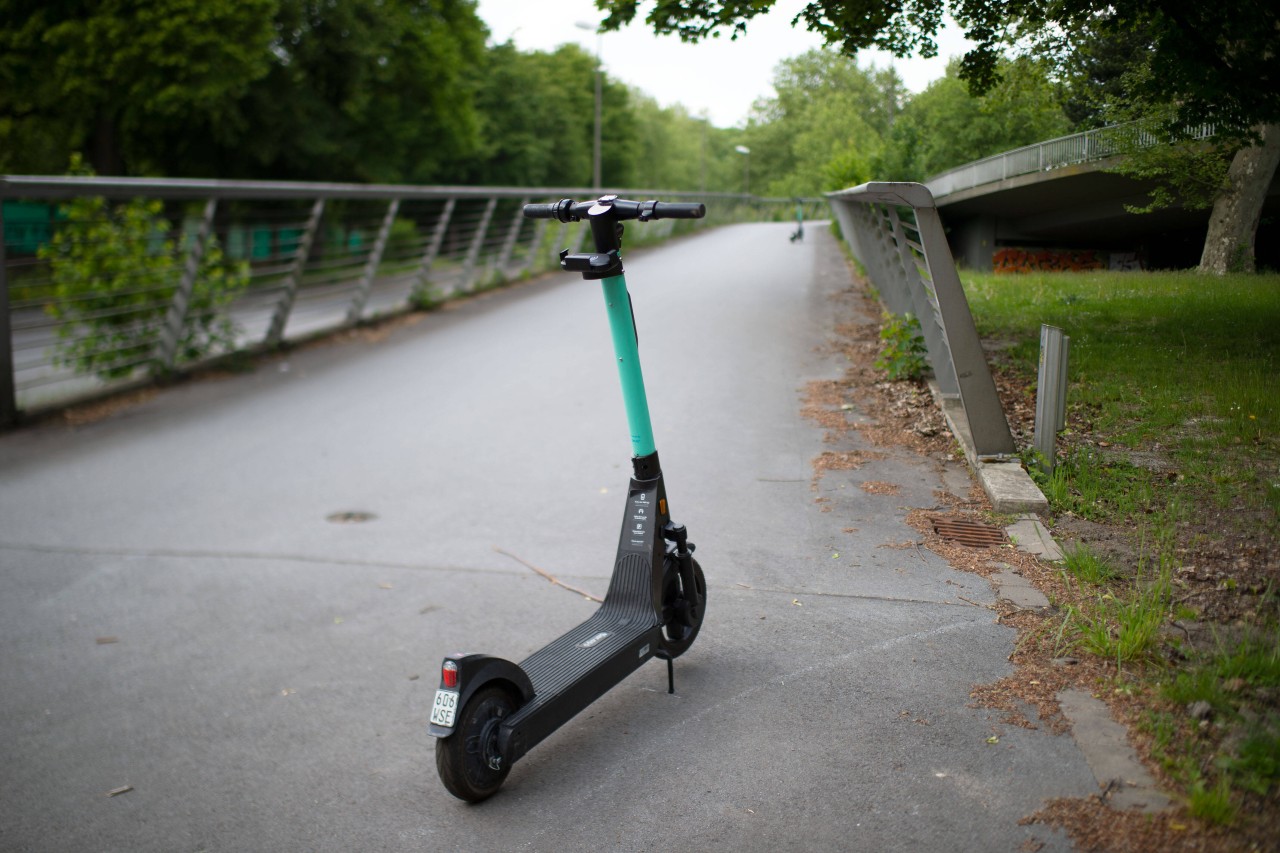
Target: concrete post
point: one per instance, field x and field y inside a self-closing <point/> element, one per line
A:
<point x="1051" y="393"/>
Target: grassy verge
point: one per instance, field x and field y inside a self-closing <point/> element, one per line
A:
<point x="1166" y="491"/>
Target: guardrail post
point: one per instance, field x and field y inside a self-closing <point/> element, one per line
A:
<point x="8" y="394"/>
<point x="989" y="430"/>
<point x="539" y="232"/>
<point x="176" y="318"/>
<point x="361" y="297"/>
<point x="987" y="423"/>
<point x="926" y="310"/>
<point x="1051" y="393"/>
<point x="275" y="333"/>
<point x="509" y="244"/>
<point x="433" y="249"/>
<point x="473" y="253"/>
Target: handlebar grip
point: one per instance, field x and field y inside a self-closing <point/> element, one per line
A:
<point x="678" y="210"/>
<point x="543" y="211"/>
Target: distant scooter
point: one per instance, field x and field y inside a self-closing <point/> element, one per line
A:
<point x="489" y="712"/>
<point x="797" y="236"/>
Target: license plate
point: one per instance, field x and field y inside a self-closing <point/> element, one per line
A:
<point x="445" y="709"/>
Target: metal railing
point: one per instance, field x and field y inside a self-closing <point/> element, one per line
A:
<point x="894" y="231"/>
<point x="1087" y="147"/>
<point x="93" y="298"/>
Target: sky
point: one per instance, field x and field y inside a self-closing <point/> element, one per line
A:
<point x="718" y="76"/>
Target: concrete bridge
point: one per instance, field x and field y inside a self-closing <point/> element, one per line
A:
<point x="1062" y="194"/>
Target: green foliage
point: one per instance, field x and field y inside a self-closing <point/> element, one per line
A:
<point x="1086" y="565"/>
<point x="1213" y="61"/>
<point x="115" y="271"/>
<point x="373" y="90"/>
<point x="903" y="351"/>
<point x="824" y="125"/>
<point x="1125" y="627"/>
<point x="116" y="79"/>
<point x="944" y="126"/>
<point x="1188" y="175"/>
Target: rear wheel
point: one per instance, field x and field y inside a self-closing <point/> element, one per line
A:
<point x="680" y="627"/>
<point x="468" y="760"/>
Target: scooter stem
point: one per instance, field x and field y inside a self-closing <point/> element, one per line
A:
<point x="622" y="326"/>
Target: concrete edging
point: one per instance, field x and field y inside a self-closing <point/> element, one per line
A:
<point x="1006" y="483"/>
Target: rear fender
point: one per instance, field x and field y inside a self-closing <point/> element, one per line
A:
<point x="477" y="671"/>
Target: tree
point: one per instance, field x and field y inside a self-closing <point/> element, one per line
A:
<point x="373" y="90"/>
<point x="108" y="76"/>
<point x="824" y="125"/>
<point x="944" y="127"/>
<point x="1207" y="62"/>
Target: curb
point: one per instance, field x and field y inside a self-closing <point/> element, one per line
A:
<point x="1009" y="487"/>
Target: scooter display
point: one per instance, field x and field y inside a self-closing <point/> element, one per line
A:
<point x="489" y="712"/>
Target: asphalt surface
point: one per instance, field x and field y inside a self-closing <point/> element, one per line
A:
<point x="180" y="618"/>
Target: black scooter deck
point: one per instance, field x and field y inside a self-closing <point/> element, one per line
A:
<point x="583" y="664"/>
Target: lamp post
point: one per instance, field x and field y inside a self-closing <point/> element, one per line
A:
<point x="746" y="168"/>
<point x="595" y="153"/>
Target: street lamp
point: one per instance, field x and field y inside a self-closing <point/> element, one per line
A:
<point x="746" y="168"/>
<point x="595" y="153"/>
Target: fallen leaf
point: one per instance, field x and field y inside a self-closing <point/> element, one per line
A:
<point x="993" y="739"/>
<point x="796" y="602"/>
<point x="106" y="641"/>
<point x="123" y="789"/>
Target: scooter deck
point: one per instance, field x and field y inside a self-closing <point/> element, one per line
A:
<point x="584" y="663"/>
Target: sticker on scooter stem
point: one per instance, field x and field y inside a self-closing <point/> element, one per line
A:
<point x="639" y="521"/>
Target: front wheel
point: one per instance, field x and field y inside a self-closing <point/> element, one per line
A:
<point x="468" y="760"/>
<point x="679" y="633"/>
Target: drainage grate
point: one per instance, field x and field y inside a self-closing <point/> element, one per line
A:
<point x="975" y="534"/>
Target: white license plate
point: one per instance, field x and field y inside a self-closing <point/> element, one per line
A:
<point x="445" y="709"/>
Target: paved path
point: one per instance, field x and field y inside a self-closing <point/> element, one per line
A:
<point x="272" y="671"/>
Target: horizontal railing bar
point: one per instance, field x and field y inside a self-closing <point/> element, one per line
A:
<point x="56" y="186"/>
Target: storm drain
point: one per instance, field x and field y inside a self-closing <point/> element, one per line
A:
<point x="975" y="534"/>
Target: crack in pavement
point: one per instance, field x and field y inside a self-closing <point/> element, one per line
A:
<point x="196" y="554"/>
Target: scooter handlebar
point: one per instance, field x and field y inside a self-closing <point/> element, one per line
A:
<point x="617" y="209"/>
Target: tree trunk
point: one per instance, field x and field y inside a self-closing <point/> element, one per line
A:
<point x="1228" y="247"/>
<point x="104" y="149"/>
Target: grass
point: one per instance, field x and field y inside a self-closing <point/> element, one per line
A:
<point x="1173" y="433"/>
<point x="1179" y="366"/>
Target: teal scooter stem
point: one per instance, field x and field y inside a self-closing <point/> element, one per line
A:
<point x="626" y="349"/>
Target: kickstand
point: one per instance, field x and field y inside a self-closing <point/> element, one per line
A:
<point x="671" y="676"/>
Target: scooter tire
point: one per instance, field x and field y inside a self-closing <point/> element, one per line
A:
<point x="678" y="637"/>
<point x="462" y="758"/>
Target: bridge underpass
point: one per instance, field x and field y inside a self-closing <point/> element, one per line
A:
<point x="1079" y="206"/>
<point x="181" y="619"/>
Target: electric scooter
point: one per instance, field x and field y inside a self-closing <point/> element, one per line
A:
<point x="489" y="712"/>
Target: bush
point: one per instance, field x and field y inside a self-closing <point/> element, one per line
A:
<point x="902" y="355"/>
<point x="114" y="272"/>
